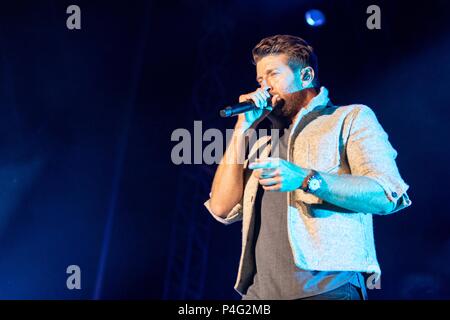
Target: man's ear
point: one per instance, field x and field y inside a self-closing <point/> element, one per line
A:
<point x="307" y="76"/>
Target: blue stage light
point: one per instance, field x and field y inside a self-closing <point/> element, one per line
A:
<point x="315" y="18"/>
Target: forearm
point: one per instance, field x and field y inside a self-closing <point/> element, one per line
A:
<point x="356" y="193"/>
<point x="228" y="183"/>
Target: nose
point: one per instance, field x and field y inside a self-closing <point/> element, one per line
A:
<point x="263" y="83"/>
<point x="269" y="85"/>
<point x="266" y="86"/>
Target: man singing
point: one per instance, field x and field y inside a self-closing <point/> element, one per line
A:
<point x="306" y="197"/>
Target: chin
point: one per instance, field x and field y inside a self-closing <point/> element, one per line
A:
<point x="278" y="108"/>
<point x="287" y="110"/>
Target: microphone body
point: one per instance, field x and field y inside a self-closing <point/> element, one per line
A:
<point x="236" y="109"/>
<point x="242" y="107"/>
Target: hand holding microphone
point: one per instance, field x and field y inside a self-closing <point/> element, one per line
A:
<point x="253" y="107"/>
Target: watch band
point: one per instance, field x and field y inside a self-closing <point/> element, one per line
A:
<point x="305" y="183"/>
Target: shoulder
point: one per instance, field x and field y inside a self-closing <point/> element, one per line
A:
<point x="356" y="113"/>
<point x="355" y="110"/>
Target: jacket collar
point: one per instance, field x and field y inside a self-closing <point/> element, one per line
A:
<point x="319" y="102"/>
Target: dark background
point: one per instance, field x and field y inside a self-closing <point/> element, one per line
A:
<point x="86" y="176"/>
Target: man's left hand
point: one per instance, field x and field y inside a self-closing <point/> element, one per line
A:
<point x="275" y="174"/>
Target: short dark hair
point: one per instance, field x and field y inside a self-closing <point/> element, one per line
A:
<point x="300" y="54"/>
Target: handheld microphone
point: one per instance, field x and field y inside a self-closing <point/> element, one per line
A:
<point x="242" y="107"/>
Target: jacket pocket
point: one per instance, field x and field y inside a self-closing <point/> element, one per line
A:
<point x="323" y="153"/>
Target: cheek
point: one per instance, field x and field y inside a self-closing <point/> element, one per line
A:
<point x="293" y="87"/>
<point x="286" y="86"/>
<point x="281" y="86"/>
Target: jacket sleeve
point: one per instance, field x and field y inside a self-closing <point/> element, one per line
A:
<point x="235" y="213"/>
<point x="233" y="216"/>
<point x="370" y="154"/>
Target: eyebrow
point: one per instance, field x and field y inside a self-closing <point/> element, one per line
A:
<point x="267" y="72"/>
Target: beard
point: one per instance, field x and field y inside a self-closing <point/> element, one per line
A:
<point x="290" y="104"/>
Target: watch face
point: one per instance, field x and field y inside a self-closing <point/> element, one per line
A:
<point x="314" y="184"/>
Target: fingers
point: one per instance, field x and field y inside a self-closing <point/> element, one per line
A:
<point x="266" y="173"/>
<point x="269" y="163"/>
<point x="261" y="165"/>
<point x="269" y="173"/>
<point x="259" y="97"/>
<point x="262" y="95"/>
<point x="275" y="187"/>
<point x="270" y="181"/>
<point x="265" y="91"/>
<point x="260" y="102"/>
<point x="275" y="99"/>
